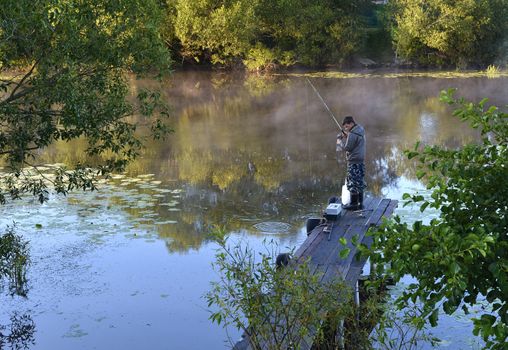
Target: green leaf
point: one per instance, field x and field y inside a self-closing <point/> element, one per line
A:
<point x="344" y="253"/>
<point x="454" y="268"/>
<point x="434" y="317"/>
<point x="411" y="154"/>
<point x="420" y="174"/>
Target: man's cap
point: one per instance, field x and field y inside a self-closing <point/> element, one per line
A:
<point x="348" y="119"/>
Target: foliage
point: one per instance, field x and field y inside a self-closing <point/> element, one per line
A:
<point x="265" y="33"/>
<point x="378" y="41"/>
<point x="252" y="290"/>
<point x="63" y="66"/>
<point x="492" y="71"/>
<point x="401" y="329"/>
<point x="13" y="262"/>
<point x="462" y="256"/>
<point x="445" y="32"/>
<point x="312" y="32"/>
<point x="219" y="30"/>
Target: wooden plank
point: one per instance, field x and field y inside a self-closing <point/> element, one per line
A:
<point x="357" y="216"/>
<point x="310" y="239"/>
<point x="346" y="216"/>
<point x="391" y="208"/>
<point x="359" y="232"/>
<point x="378" y="212"/>
<point x="367" y="203"/>
<point x="316" y="241"/>
<point x="330" y="254"/>
<point x="322" y="252"/>
<point x="353" y="275"/>
<point x="387" y="213"/>
<point x="333" y="271"/>
<point x="340" y="265"/>
<point x="318" y="245"/>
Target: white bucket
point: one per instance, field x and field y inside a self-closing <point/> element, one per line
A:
<point x="346" y="195"/>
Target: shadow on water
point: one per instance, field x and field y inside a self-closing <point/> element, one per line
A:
<point x="19" y="333"/>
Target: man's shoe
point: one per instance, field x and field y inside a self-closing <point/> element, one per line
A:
<point x="360" y="200"/>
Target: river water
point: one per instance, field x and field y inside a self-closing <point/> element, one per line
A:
<point x="127" y="266"/>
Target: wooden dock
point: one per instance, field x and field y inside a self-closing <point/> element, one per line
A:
<point x="322" y="248"/>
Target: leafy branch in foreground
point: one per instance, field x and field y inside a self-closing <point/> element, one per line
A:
<point x="462" y="256"/>
<point x="276" y="308"/>
<point x="63" y="67"/>
<point x="280" y="307"/>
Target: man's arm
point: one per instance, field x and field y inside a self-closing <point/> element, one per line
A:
<point x="340" y="140"/>
<point x="350" y="142"/>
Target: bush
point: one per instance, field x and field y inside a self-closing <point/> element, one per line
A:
<point x="462" y="255"/>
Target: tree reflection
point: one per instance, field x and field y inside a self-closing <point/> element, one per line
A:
<point x="250" y="149"/>
<point x="19" y="333"/>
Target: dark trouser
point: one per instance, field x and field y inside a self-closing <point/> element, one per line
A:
<point x="355" y="178"/>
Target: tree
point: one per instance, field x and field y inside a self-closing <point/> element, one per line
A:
<point x="63" y="66"/>
<point x="462" y="256"/>
<point x="311" y="32"/>
<point x="460" y="33"/>
<point x="213" y="30"/>
<point x="264" y="33"/>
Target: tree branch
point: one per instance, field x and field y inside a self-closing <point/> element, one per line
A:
<point x="24" y="78"/>
<point x="14" y="151"/>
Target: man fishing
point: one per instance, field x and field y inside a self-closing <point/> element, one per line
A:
<point x="351" y="139"/>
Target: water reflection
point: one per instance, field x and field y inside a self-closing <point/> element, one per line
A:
<point x="255" y="149"/>
<point x="19" y="333"/>
<point x="255" y="155"/>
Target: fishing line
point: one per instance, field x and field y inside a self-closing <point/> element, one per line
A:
<point x="326" y="106"/>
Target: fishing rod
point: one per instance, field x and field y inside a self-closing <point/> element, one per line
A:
<point x="326" y="106"/>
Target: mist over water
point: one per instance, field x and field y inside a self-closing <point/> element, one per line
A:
<point x="126" y="266"/>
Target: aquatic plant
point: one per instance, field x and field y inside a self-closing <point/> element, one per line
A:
<point x="14" y="260"/>
<point x="493" y="71"/>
